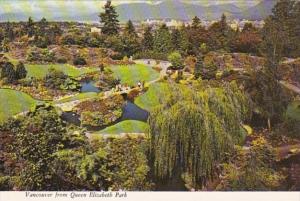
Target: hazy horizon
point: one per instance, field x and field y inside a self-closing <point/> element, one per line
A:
<point x="81" y="10"/>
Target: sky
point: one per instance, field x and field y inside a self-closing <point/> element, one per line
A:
<point x="36" y="3"/>
<point x="63" y="8"/>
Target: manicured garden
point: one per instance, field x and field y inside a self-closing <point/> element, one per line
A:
<point x="13" y="102"/>
<point x="132" y="74"/>
<point x="40" y="70"/>
<point x="128" y="126"/>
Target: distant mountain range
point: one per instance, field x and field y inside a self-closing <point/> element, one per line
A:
<point x="142" y="11"/>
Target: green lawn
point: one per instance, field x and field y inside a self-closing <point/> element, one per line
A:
<point x="293" y="110"/>
<point x="128" y="126"/>
<point x="13" y="102"/>
<point x="40" y="70"/>
<point x="131" y="74"/>
<point x="151" y="98"/>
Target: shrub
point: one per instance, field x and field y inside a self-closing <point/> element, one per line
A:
<point x="61" y="60"/>
<point x="117" y="56"/>
<point x="79" y="61"/>
<point x="176" y="60"/>
<point x="150" y="55"/>
<point x="40" y="55"/>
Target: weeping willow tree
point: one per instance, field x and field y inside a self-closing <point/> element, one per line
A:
<point x="192" y="130"/>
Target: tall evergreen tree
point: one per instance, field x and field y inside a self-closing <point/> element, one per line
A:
<point x="30" y="27"/>
<point x="129" y="28"/>
<point x="8" y="72"/>
<point x="282" y="24"/>
<point x="176" y="39"/>
<point x="162" y="40"/>
<point x="147" y="42"/>
<point x="223" y="22"/>
<point x="196" y="23"/>
<point x="130" y="41"/>
<point x="198" y="66"/>
<point x="109" y="19"/>
<point x="42" y="26"/>
<point x="9" y="32"/>
<point x="221" y="34"/>
<point x="21" y="71"/>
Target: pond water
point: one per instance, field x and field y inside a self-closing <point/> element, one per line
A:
<point x="130" y="111"/>
<point x="71" y="117"/>
<point x="133" y="112"/>
<point x="89" y="86"/>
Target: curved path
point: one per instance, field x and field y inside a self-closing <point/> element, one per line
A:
<point x="68" y="106"/>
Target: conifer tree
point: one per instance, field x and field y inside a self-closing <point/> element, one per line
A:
<point x="30" y="27"/>
<point x="109" y="19"/>
<point x="9" y="32"/>
<point x="8" y="72"/>
<point x="162" y="40"/>
<point x="129" y="28"/>
<point x="176" y="39"/>
<point x="147" y="39"/>
<point x="196" y="23"/>
<point x="198" y="66"/>
<point x="21" y="71"/>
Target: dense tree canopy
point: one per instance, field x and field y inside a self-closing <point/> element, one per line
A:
<point x="192" y="130"/>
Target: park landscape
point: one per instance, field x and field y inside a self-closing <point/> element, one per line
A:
<point x="189" y="108"/>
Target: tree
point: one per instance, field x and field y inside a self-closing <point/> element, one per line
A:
<point x="251" y="170"/>
<point x="130" y="40"/>
<point x="9" y="32"/>
<point x="280" y="25"/>
<point x="30" y="27"/>
<point x="247" y="41"/>
<point x="5" y="45"/>
<point x="147" y="41"/>
<point x="198" y="66"/>
<point x="54" y="78"/>
<point x="21" y="71"/>
<point x="192" y="130"/>
<point x="109" y="19"/>
<point x="129" y="28"/>
<point x="268" y="96"/>
<point x="37" y="139"/>
<point x="220" y="35"/>
<point x="193" y="36"/>
<point x="130" y="44"/>
<point x="162" y="40"/>
<point x="196" y="22"/>
<point x="8" y="72"/>
<point x="176" y="39"/>
<point x="176" y="59"/>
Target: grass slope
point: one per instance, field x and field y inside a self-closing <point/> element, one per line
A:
<point x="40" y="70"/>
<point x="151" y="98"/>
<point x="13" y="102"/>
<point x="131" y="74"/>
<point x="128" y="126"/>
